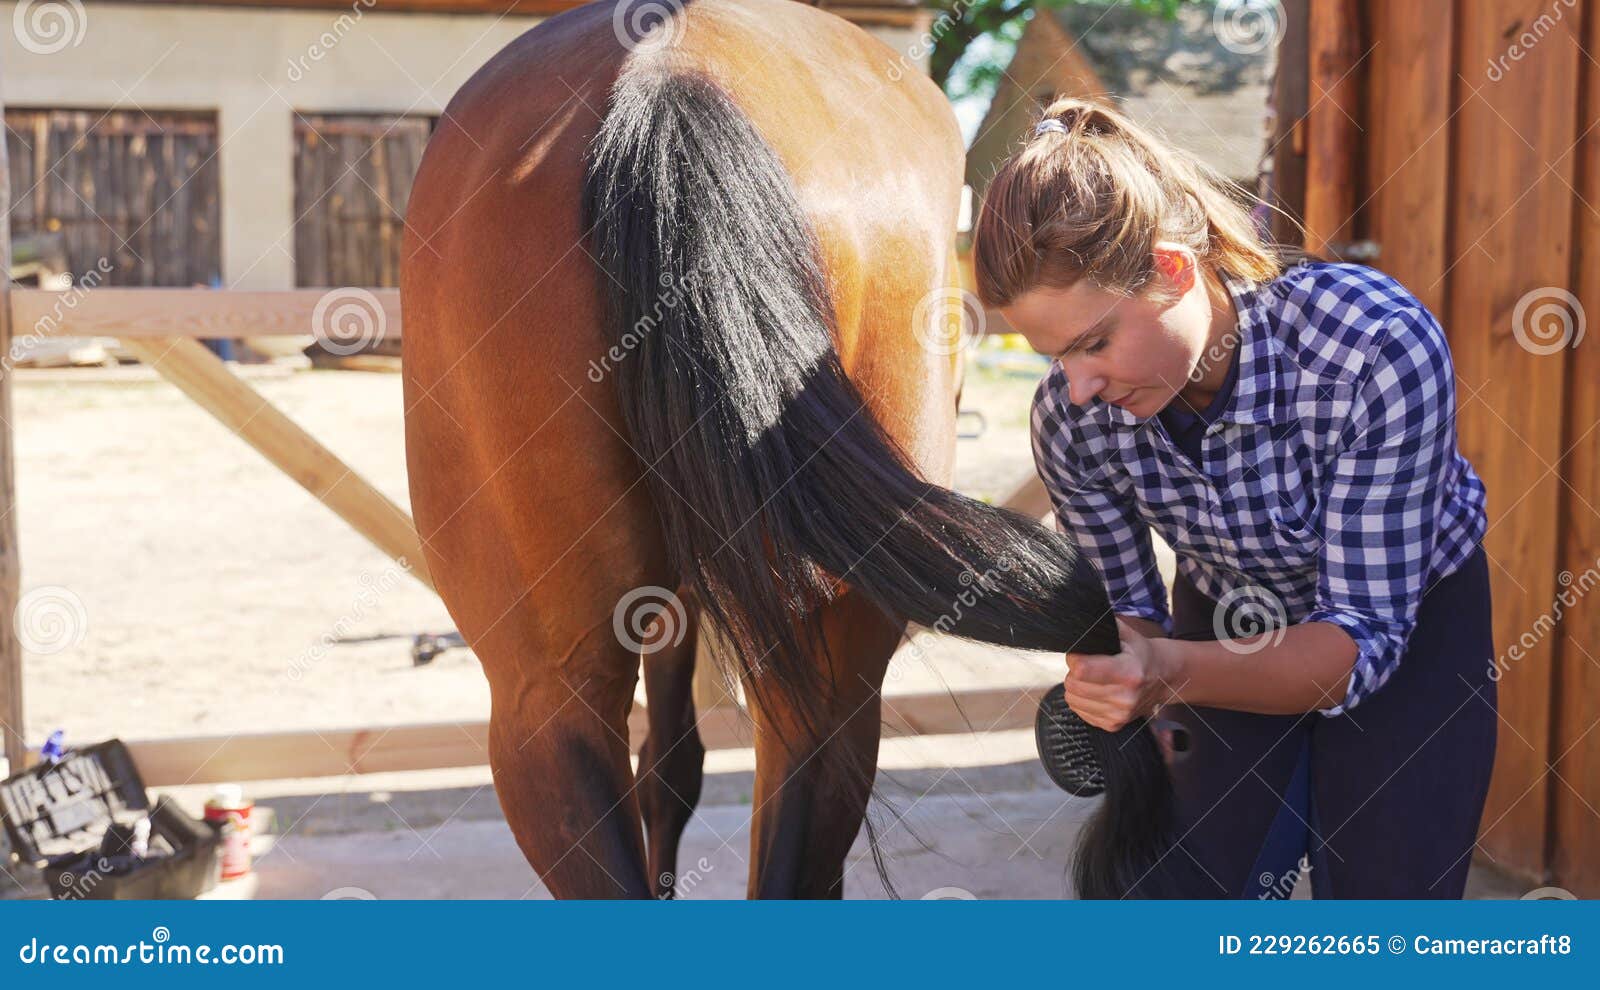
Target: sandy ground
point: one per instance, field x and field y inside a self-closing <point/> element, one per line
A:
<point x="176" y="583"/>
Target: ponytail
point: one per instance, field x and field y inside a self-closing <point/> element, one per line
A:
<point x="1089" y="197"/>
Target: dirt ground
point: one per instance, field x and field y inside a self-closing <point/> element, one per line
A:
<point x="175" y="583"/>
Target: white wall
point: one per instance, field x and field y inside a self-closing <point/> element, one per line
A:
<point x="253" y="66"/>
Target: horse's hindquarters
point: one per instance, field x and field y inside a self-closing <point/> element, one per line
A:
<point x="527" y="486"/>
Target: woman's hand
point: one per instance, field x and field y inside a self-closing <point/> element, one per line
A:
<point x="1108" y="692"/>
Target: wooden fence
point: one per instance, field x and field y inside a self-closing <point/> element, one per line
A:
<point x="1462" y="138"/>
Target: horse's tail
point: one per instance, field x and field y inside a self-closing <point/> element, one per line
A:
<point x="772" y="481"/>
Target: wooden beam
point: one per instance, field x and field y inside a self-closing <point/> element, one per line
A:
<point x="287" y="755"/>
<point x="934" y="713"/>
<point x="11" y="712"/>
<point x="131" y="313"/>
<point x="1333" y="139"/>
<point x="1290" y="86"/>
<point x="206" y="379"/>
<point x="531" y="8"/>
<point x="336" y="752"/>
<point x="889" y="13"/>
<point x="1031" y="499"/>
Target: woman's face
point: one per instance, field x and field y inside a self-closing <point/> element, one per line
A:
<point x="1134" y="352"/>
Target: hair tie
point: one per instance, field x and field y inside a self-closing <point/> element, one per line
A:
<point x="1049" y="124"/>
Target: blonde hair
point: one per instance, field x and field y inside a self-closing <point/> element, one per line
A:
<point x="1091" y="198"/>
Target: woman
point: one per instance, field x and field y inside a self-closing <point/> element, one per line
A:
<point x="1289" y="430"/>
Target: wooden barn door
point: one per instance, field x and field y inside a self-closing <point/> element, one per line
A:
<point x="353" y="175"/>
<point x="131" y="194"/>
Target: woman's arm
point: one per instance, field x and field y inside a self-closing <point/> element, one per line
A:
<point x="1146" y="628"/>
<point x="1309" y="667"/>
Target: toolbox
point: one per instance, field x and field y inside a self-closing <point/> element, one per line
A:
<point x="77" y="821"/>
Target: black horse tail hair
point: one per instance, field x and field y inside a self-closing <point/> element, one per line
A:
<point x="774" y="484"/>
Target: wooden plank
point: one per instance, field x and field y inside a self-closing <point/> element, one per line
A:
<point x="490" y="7"/>
<point x="887" y="12"/>
<point x="1290" y="102"/>
<point x="1575" y="847"/>
<point x="979" y="710"/>
<point x="1510" y="239"/>
<point x="1407" y="184"/>
<point x="11" y="709"/>
<point x="138" y="313"/>
<point x="334" y="752"/>
<point x="206" y="379"/>
<point x="303" y="753"/>
<point x="1332" y="138"/>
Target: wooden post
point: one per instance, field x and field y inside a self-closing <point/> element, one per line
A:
<point x="1407" y="151"/>
<point x="11" y="727"/>
<point x="1333" y="138"/>
<point x="206" y="379"/>
<point x="1575" y="846"/>
<point x="1289" y="104"/>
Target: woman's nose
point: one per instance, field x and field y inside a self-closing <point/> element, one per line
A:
<point x="1083" y="385"/>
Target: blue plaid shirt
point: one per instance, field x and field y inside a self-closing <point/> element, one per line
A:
<point x="1330" y="487"/>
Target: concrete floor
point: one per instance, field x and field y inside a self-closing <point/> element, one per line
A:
<point x="973" y="816"/>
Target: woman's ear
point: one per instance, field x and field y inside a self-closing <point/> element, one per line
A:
<point x="1177" y="265"/>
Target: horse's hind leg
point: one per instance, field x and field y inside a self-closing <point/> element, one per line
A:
<point x="672" y="757"/>
<point x="558" y="746"/>
<point x="813" y="783"/>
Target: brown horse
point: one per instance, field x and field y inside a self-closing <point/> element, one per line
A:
<point x="660" y="289"/>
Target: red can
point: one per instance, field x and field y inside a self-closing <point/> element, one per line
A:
<point x="232" y="810"/>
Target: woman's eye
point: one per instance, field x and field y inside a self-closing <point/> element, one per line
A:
<point x="1096" y="347"/>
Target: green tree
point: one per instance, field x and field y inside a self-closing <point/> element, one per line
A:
<point x="959" y="23"/>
